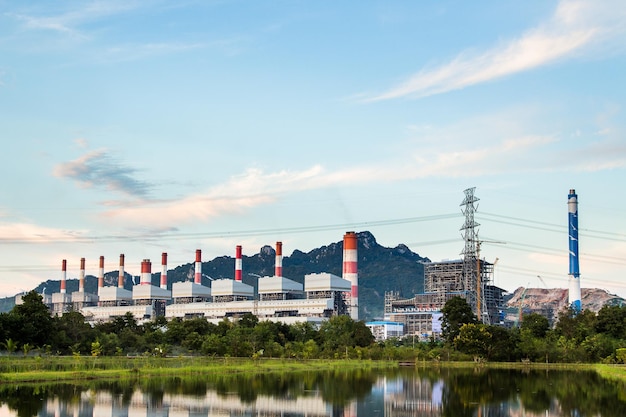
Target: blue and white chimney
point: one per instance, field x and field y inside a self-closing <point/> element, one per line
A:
<point x="574" y="272"/>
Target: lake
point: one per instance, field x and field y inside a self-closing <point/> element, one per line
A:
<point x="402" y="392"/>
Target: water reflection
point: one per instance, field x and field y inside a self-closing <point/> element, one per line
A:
<point x="399" y="393"/>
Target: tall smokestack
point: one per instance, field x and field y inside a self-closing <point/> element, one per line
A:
<point x="574" y="272"/>
<point x="63" y="275"/>
<point x="198" y="277"/>
<point x="120" y="280"/>
<point x="350" y="271"/>
<point x="238" y="263"/>
<point x="81" y="276"/>
<point x="278" y="269"/>
<point x="164" y="270"/>
<point x="101" y="273"/>
<point x="146" y="272"/>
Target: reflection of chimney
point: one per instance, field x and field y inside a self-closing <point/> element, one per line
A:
<point x="146" y="272"/>
<point x="101" y="273"/>
<point x="350" y="271"/>
<point x="164" y="270"/>
<point x="238" y="263"/>
<point x="63" y="275"/>
<point x="120" y="280"/>
<point x="198" y="278"/>
<point x="278" y="269"/>
<point x="81" y="276"/>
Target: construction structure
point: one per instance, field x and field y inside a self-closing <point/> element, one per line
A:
<point x="470" y="278"/>
<point x="322" y="295"/>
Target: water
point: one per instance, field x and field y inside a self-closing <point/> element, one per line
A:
<point x="401" y="393"/>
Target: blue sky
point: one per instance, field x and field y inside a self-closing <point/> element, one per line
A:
<point x="139" y="127"/>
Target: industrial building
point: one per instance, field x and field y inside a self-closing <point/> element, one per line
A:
<point x="383" y="330"/>
<point x="470" y="278"/>
<point x="277" y="298"/>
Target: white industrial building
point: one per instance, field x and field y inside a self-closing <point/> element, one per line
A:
<point x="277" y="298"/>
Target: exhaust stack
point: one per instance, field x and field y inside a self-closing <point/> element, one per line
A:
<point x="81" y="276"/>
<point x="574" y="272"/>
<point x="120" y="280"/>
<point x="63" y="276"/>
<point x="198" y="277"/>
<point x="146" y="272"/>
<point x="350" y="271"/>
<point x="278" y="269"/>
<point x="101" y="273"/>
<point x="164" y="270"/>
<point x="238" y="263"/>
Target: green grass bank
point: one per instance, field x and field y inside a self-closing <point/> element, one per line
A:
<point x="16" y="369"/>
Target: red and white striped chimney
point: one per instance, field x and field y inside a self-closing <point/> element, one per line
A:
<point x="81" y="276"/>
<point x="120" y="280"/>
<point x="350" y="271"/>
<point x="146" y="272"/>
<point x="63" y="275"/>
<point x="164" y="270"/>
<point x="101" y="273"/>
<point x="278" y="269"/>
<point x="198" y="277"/>
<point x="238" y="263"/>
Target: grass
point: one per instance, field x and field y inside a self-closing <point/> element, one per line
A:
<point x="14" y="369"/>
<point x="85" y="368"/>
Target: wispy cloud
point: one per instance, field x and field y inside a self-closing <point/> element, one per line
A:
<point x="574" y="26"/>
<point x="32" y="233"/>
<point x="100" y="169"/>
<point x="505" y="147"/>
<point x="69" y="22"/>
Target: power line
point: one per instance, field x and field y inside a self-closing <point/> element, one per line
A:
<point x="224" y="234"/>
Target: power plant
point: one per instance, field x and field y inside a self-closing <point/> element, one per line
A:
<point x="277" y="299"/>
<point x="322" y="295"/>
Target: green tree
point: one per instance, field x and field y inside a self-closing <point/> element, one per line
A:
<point x="302" y="332"/>
<point x="10" y="345"/>
<point x="537" y="324"/>
<point x="341" y="332"/>
<point x="576" y="326"/>
<point x="456" y="312"/>
<point x="71" y="330"/>
<point x="612" y="321"/>
<point x="473" y="339"/>
<point x="33" y="320"/>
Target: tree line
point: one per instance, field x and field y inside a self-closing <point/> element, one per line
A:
<point x="581" y="337"/>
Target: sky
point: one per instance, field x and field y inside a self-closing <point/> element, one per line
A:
<point x="142" y="127"/>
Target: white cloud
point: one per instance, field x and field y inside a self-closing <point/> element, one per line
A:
<point x="574" y="26"/>
<point x="69" y="22"/>
<point x="31" y="233"/>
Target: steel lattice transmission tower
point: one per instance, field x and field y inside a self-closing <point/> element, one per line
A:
<point x="470" y="252"/>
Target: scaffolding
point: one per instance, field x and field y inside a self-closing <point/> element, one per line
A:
<point x="470" y="278"/>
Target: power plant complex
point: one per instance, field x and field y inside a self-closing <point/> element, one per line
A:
<point x="322" y="295"/>
<point x="278" y="298"/>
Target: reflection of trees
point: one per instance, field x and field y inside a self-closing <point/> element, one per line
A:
<point x="342" y="387"/>
<point x="577" y="392"/>
<point x="574" y="393"/>
<point x="26" y="400"/>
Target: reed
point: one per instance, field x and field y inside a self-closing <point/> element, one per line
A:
<point x="28" y="369"/>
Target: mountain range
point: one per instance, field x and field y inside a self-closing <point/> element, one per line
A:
<point x="380" y="269"/>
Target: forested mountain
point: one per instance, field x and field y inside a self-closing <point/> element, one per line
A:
<point x="380" y="269"/>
